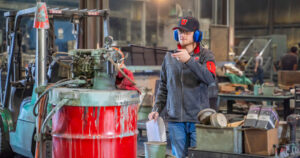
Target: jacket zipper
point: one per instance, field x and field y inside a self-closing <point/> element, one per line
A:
<point x="182" y="91"/>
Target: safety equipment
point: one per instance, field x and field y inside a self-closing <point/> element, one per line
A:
<point x="197" y="36"/>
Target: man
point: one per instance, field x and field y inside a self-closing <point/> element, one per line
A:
<point x="258" y="69"/>
<point x="290" y="60"/>
<point x="183" y="89"/>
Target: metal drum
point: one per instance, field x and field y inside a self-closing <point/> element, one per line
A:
<point x="94" y="124"/>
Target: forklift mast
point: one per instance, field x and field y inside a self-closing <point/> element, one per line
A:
<point x="13" y="36"/>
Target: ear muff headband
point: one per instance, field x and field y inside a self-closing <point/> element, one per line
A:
<point x="198" y="35"/>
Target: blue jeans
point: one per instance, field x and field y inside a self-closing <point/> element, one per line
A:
<point x="182" y="135"/>
<point x="259" y="75"/>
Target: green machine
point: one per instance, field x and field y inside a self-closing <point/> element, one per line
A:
<point x="18" y="93"/>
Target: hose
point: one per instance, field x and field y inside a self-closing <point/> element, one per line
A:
<point x="40" y="117"/>
<point x="121" y="65"/>
<point x="44" y="101"/>
<point x="58" y="84"/>
<point x="122" y="72"/>
<point x="39" y="145"/>
<point x="59" y="105"/>
<point x="121" y="53"/>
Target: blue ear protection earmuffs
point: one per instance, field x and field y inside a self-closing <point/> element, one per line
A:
<point x="197" y="36"/>
<point x="176" y="36"/>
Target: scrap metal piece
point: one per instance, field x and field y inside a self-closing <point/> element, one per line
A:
<point x="204" y="115"/>
<point x="218" y="120"/>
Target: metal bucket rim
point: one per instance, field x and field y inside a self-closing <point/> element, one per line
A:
<point x="155" y="143"/>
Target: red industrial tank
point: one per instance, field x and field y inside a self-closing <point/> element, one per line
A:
<point x="86" y="131"/>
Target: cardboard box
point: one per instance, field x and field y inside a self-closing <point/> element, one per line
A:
<point x="288" y="77"/>
<point x="286" y="87"/>
<point x="239" y="85"/>
<point x="226" y="88"/>
<point x="229" y="87"/>
<point x="260" y="142"/>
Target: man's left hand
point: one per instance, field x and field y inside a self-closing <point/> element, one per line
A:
<point x="182" y="55"/>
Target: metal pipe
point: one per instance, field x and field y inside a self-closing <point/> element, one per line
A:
<point x="248" y="63"/>
<point x="198" y="8"/>
<point x="245" y="50"/>
<point x="157" y="24"/>
<point x="105" y="30"/>
<point x="231" y="24"/>
<point x="278" y="26"/>
<point x="103" y="4"/>
<point x="143" y="24"/>
<point x="266" y="46"/>
<point x="41" y="58"/>
<point x="215" y="11"/>
<point x="270" y="16"/>
<point x="227" y="13"/>
<point x="91" y="28"/>
<point x="105" y="27"/>
<point x="11" y="56"/>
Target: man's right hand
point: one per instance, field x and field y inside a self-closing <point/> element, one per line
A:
<point x="153" y="115"/>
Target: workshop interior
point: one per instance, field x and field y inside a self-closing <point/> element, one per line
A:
<point x="117" y="79"/>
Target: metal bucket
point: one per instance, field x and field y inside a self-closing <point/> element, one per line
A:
<point x="95" y="124"/>
<point x="219" y="139"/>
<point x="268" y="90"/>
<point x="155" y="149"/>
<point x="144" y="112"/>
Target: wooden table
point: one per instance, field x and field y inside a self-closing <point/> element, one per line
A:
<point x="231" y="97"/>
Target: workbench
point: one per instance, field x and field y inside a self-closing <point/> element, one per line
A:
<point x="193" y="153"/>
<point x="247" y="97"/>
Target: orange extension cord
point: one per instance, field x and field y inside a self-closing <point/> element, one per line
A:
<point x="41" y="117"/>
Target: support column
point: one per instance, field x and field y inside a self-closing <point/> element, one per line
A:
<point x="271" y="14"/>
<point x="158" y="25"/>
<point x="215" y="12"/>
<point x="128" y="29"/>
<point x="91" y="28"/>
<point x="231" y="24"/>
<point x="143" y="24"/>
<point x="41" y="58"/>
<point x="92" y="35"/>
<point x="197" y="6"/>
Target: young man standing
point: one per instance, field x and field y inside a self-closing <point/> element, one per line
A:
<point x="258" y="69"/>
<point x="183" y="89"/>
<point x="290" y="60"/>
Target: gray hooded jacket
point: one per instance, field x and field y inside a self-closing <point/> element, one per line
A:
<point x="184" y="86"/>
